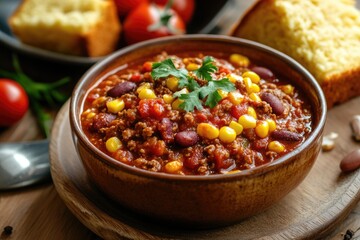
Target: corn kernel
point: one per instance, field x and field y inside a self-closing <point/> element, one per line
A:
<point x="238" y="128"/>
<point x="247" y="81"/>
<point x="147" y="93"/>
<point x="234" y="77"/>
<point x="90" y="115"/>
<point x="168" y="98"/>
<point x="235" y="97"/>
<point x="207" y="130"/>
<point x="173" y="167"/>
<point x="192" y="67"/>
<point x="262" y="129"/>
<point x="113" y="144"/>
<point x="255" y="97"/>
<point x="182" y="91"/>
<point x="143" y="86"/>
<point x="288" y="89"/>
<point x="97" y="102"/>
<point x="254" y="88"/>
<point x="250" y="86"/>
<point x="115" y="105"/>
<point x="239" y="60"/>
<point x="276" y="146"/>
<point x="233" y="171"/>
<point x="186" y="61"/>
<point x="247" y="121"/>
<point x="252" y="75"/>
<point x="227" y="134"/>
<point x="251" y="111"/>
<point x="272" y="125"/>
<point x="172" y="83"/>
<point x="176" y="104"/>
<point x="222" y="93"/>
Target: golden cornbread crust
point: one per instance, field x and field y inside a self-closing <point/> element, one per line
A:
<point x="67" y="27"/>
<point x="342" y="87"/>
<point x="323" y="36"/>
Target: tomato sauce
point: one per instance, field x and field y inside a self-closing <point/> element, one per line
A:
<point x="205" y="115"/>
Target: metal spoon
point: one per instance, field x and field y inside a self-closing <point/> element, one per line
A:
<point x="23" y="163"/>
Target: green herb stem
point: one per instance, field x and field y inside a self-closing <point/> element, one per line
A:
<point x="40" y="95"/>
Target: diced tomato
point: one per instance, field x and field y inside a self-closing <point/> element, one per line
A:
<point x="158" y="149"/>
<point x="147" y="67"/>
<point x="157" y="110"/>
<point x="91" y="97"/>
<point x="153" y="108"/>
<point x="193" y="160"/>
<point x="136" y="77"/>
<point x="222" y="160"/>
<point x="224" y="70"/>
<point x="200" y="117"/>
<point x="144" y="108"/>
<point x="238" y="110"/>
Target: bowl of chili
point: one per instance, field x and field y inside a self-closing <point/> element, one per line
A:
<point x="198" y="130"/>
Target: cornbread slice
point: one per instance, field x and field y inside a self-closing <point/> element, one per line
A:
<point x="75" y="27"/>
<point x="322" y="35"/>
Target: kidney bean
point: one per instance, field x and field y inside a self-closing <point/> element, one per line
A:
<point x="274" y="102"/>
<point x="121" y="88"/>
<point x="186" y="138"/>
<point x="165" y="129"/>
<point x="263" y="73"/>
<point x="285" y="135"/>
<point x="351" y="161"/>
<point x="102" y="120"/>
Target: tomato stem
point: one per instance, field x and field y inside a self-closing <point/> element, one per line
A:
<point x="165" y="16"/>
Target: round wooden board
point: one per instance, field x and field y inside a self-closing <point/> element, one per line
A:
<point x="310" y="211"/>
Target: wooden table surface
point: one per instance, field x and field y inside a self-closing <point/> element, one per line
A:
<point x="37" y="212"/>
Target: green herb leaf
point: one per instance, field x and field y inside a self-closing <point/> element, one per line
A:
<point x="211" y="91"/>
<point x="194" y="99"/>
<point x="207" y="67"/>
<point x="192" y="84"/>
<point x="191" y="101"/>
<point x="167" y="68"/>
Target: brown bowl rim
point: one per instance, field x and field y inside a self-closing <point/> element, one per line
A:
<point x="97" y="68"/>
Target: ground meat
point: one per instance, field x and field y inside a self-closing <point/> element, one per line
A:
<point x="147" y="125"/>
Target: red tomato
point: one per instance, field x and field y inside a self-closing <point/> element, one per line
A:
<point x="185" y="8"/>
<point x="150" y="21"/>
<point x="125" y="6"/>
<point x="152" y="108"/>
<point x="14" y="102"/>
<point x="238" y="110"/>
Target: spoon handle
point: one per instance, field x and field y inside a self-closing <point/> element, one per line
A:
<point x="23" y="163"/>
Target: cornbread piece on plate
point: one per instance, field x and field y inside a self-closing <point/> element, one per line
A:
<point x="75" y="27"/>
<point x="324" y="36"/>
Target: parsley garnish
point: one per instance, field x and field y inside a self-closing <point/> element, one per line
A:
<point x="207" y="67"/>
<point x="167" y="68"/>
<point x="194" y="99"/>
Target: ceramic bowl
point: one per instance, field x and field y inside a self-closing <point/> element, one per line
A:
<point x="200" y="201"/>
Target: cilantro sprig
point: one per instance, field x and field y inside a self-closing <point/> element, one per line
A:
<point x="194" y="99"/>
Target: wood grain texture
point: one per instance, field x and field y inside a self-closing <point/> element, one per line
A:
<point x="313" y="210"/>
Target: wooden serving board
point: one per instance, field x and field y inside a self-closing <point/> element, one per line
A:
<point x="310" y="211"/>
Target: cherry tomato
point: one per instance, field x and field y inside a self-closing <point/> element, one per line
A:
<point x="14" y="102"/>
<point x="149" y="21"/>
<point x="125" y="6"/>
<point x="185" y="8"/>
